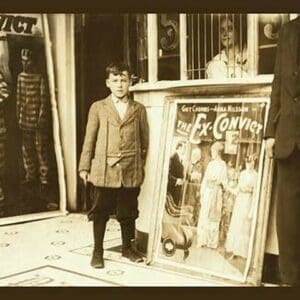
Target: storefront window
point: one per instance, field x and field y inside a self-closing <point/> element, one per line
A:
<point x="142" y="47"/>
<point x="216" y="46"/>
<point x="28" y="167"/>
<point x="269" y="26"/>
<point x="168" y="47"/>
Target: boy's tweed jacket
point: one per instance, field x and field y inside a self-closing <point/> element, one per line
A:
<point x="114" y="150"/>
<point x="32" y="102"/>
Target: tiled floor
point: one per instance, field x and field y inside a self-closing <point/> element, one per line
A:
<point x="56" y="252"/>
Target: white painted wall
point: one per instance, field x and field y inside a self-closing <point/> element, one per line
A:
<point x="62" y="38"/>
<point x="147" y="195"/>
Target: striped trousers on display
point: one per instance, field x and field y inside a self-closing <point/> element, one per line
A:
<point x="35" y="149"/>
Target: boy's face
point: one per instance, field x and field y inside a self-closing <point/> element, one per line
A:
<point x="119" y="84"/>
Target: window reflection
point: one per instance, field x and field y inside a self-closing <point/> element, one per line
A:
<point x="168" y="47"/>
<point x="142" y="50"/>
<point x="269" y="26"/>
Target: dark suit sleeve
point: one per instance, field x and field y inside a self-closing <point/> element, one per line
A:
<point x="90" y="139"/>
<point x="176" y="169"/>
<point x="172" y="171"/>
<point x="144" y="133"/>
<point x="274" y="110"/>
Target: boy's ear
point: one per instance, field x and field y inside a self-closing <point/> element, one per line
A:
<point x="107" y="83"/>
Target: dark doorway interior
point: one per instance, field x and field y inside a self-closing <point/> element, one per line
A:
<point x="99" y="40"/>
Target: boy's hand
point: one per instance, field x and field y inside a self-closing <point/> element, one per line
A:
<point x="84" y="176"/>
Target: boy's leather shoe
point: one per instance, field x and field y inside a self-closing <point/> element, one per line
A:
<point x="132" y="255"/>
<point x="97" y="261"/>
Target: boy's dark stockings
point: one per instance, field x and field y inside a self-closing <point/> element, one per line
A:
<point x="128" y="249"/>
<point x="128" y="234"/>
<point x="99" y="231"/>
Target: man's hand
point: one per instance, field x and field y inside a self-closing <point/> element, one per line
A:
<point x="270" y="143"/>
<point x="84" y="176"/>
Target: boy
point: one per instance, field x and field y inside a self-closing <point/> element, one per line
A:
<point x="113" y="159"/>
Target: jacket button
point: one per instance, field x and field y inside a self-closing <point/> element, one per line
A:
<point x="295" y="73"/>
<point x="296" y="99"/>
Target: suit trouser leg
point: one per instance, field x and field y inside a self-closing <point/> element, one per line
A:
<point x="288" y="218"/>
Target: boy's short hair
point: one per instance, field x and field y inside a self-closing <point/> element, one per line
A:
<point x="117" y="68"/>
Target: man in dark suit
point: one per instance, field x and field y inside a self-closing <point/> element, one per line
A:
<point x="176" y="173"/>
<point x="283" y="142"/>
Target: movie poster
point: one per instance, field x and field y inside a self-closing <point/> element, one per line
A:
<point x="211" y="192"/>
<point x="28" y="166"/>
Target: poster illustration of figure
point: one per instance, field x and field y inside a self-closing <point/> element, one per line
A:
<point x="177" y="219"/>
<point x="239" y="230"/>
<point x="211" y="195"/>
<point x="212" y="186"/>
<point x="228" y="202"/>
<point x="28" y="142"/>
<point x="176" y="173"/>
<point x="194" y="177"/>
<point x="33" y="116"/>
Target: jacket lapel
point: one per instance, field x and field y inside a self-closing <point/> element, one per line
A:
<point x="131" y="108"/>
<point x="112" y="111"/>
